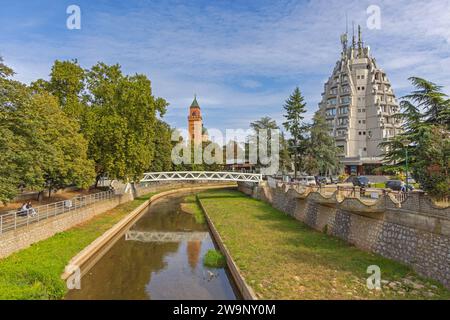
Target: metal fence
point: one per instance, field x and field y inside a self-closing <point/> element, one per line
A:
<point x="14" y="220"/>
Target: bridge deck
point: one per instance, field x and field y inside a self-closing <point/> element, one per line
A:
<point x="201" y="176"/>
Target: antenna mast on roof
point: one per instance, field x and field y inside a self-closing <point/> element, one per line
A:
<point x="353" y="42"/>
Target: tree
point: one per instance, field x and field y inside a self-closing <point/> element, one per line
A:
<point x="322" y="153"/>
<point x="295" y="107"/>
<point x="266" y="124"/>
<point x="285" y="156"/>
<point x="121" y="122"/>
<point x="425" y="139"/>
<point x="163" y="148"/>
<point x="40" y="146"/>
<point x="60" y="150"/>
<point x="67" y="85"/>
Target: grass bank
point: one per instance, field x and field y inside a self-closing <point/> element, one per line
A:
<point x="35" y="272"/>
<point x="282" y="258"/>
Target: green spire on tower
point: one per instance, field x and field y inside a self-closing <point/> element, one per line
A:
<point x="195" y="103"/>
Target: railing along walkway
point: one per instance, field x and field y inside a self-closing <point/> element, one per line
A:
<point x="14" y="220"/>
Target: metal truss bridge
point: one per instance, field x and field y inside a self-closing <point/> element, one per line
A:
<point x="201" y="176"/>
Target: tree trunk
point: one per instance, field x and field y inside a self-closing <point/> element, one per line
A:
<point x="97" y="179"/>
<point x="39" y="196"/>
<point x="295" y="158"/>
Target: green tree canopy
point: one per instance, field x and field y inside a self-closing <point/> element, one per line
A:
<point x="322" y="151"/>
<point x="425" y="139"/>
<point x="295" y="108"/>
<point x="40" y="145"/>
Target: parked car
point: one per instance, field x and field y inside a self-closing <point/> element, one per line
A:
<point x="359" y="181"/>
<point x="322" y="180"/>
<point x="334" y="179"/>
<point x="397" y="185"/>
<point x="411" y="181"/>
<point x="307" y="180"/>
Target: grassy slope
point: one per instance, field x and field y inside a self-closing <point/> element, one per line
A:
<point x="282" y="258"/>
<point x="35" y="272"/>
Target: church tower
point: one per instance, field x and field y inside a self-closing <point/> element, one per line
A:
<point x="195" y="122"/>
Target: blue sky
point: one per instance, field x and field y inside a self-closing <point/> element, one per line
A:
<point x="242" y="58"/>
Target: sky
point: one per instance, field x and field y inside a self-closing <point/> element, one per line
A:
<point x="242" y="58"/>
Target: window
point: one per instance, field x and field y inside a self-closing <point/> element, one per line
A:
<point x="342" y="121"/>
<point x="359" y="133"/>
<point x="365" y="149"/>
<point x="331" y="112"/>
<point x="332" y="101"/>
<point x="362" y="77"/>
<point x="345" y="100"/>
<point x="343" y="110"/>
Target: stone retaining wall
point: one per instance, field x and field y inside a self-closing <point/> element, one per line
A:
<point x="415" y="232"/>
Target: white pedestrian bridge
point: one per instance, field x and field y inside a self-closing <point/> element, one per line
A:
<point x="201" y="176"/>
<point x="163" y="236"/>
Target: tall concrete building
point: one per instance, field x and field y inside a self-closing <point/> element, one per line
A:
<point x="359" y="105"/>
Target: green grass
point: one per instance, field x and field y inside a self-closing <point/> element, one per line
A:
<point x="380" y="185"/>
<point x="35" y="272"/>
<point x="191" y="206"/>
<point x="282" y="258"/>
<point x="214" y="259"/>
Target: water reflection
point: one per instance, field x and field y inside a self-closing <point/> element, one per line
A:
<point x="160" y="258"/>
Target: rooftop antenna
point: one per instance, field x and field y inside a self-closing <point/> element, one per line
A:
<point x="359" y="37"/>
<point x="344" y="37"/>
<point x="353" y="41"/>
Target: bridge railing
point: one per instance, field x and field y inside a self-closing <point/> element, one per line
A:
<point x="201" y="175"/>
<point x="14" y="220"/>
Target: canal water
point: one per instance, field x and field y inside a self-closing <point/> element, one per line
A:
<point x="160" y="257"/>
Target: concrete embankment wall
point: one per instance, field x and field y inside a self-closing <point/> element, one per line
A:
<point x="415" y="232"/>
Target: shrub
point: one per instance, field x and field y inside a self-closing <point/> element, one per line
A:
<point x="214" y="259"/>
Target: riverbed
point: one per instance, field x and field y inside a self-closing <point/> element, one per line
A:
<point x="160" y="257"/>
